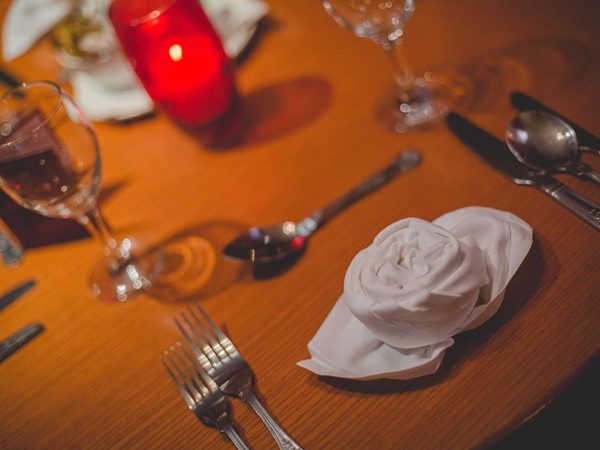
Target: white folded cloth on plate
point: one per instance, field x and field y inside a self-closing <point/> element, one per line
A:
<point x="235" y="21"/>
<point x="418" y="284"/>
<point x="109" y="89"/>
<point x="26" y="21"/>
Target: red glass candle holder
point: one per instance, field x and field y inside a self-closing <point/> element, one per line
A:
<point x="180" y="60"/>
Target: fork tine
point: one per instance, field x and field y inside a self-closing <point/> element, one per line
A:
<point x="218" y="332"/>
<point x="203" y="351"/>
<point x="223" y="341"/>
<point x="201" y="393"/>
<point x="191" y="402"/>
<point x="194" y="384"/>
<point x="215" y="342"/>
<point x="197" y="384"/>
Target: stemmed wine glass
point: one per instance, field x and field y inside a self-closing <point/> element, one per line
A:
<point x="412" y="102"/>
<point x="50" y="164"/>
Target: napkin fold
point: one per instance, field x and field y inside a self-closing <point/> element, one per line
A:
<point x="109" y="89"/>
<point x="26" y="21"/>
<point x="416" y="286"/>
<point x="235" y="21"/>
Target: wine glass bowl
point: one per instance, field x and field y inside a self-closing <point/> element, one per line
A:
<point x="381" y="22"/>
<point x="36" y="170"/>
<point x="50" y="163"/>
<point x="412" y="102"/>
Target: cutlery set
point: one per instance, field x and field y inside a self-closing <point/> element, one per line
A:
<point x="25" y="334"/>
<point x="539" y="143"/>
<point x="501" y="157"/>
<point x="544" y="142"/>
<point x="209" y="371"/>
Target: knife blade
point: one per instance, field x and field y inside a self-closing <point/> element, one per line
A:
<point x="19" y="338"/>
<point x="8" y="79"/>
<point x="497" y="154"/>
<point x="524" y="102"/>
<point x="15" y="293"/>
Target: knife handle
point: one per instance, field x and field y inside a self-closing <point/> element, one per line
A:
<point x="577" y="203"/>
<point x="18" y="339"/>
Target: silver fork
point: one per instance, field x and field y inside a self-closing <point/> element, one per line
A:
<point x="201" y="393"/>
<point x="226" y="366"/>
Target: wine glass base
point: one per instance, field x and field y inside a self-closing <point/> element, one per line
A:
<point x="113" y="283"/>
<point x="426" y="103"/>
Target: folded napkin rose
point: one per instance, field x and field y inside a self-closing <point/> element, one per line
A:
<point x="418" y="284"/>
<point x="108" y="89"/>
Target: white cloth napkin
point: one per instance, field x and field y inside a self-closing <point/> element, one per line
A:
<point x="235" y="21"/>
<point x="109" y="89"/>
<point x="26" y="21"/>
<point x="418" y="284"/>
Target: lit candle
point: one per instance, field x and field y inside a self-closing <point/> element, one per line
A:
<point x="178" y="57"/>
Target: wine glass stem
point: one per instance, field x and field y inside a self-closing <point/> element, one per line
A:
<point x="97" y="226"/>
<point x="403" y="74"/>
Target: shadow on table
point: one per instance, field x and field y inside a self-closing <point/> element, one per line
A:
<point x="523" y="286"/>
<point x="282" y="108"/>
<point x="34" y="230"/>
<point x="540" y="66"/>
<point x="194" y="264"/>
<point x="266" y="114"/>
<point x="564" y="423"/>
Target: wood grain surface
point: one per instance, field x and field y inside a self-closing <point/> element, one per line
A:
<point x="93" y="379"/>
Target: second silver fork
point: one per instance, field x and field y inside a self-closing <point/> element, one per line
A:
<point x="201" y="393"/>
<point x="224" y="363"/>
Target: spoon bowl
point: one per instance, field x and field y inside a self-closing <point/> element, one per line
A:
<point x="267" y="244"/>
<point x="546" y="143"/>
<point x="284" y="242"/>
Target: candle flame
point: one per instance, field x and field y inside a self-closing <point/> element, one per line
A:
<point x="176" y="52"/>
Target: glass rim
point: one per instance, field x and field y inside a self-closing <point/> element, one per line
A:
<point x="14" y="92"/>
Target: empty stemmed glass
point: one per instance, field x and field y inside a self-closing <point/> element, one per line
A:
<point x="412" y="102"/>
<point x="50" y="164"/>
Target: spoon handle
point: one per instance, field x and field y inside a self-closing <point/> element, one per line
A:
<point x="592" y="151"/>
<point x="585" y="171"/>
<point x="592" y="175"/>
<point x="402" y="163"/>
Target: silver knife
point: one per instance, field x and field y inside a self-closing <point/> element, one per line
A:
<point x="18" y="339"/>
<point x="15" y="293"/>
<point x="8" y="79"/>
<point x="497" y="154"/>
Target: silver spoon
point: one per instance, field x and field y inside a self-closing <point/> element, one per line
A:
<point x="547" y="143"/>
<point x="276" y="243"/>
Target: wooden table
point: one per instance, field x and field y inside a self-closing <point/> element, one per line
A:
<point x="93" y="379"/>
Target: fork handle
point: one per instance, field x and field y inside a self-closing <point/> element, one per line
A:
<point x="281" y="438"/>
<point x="233" y="435"/>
